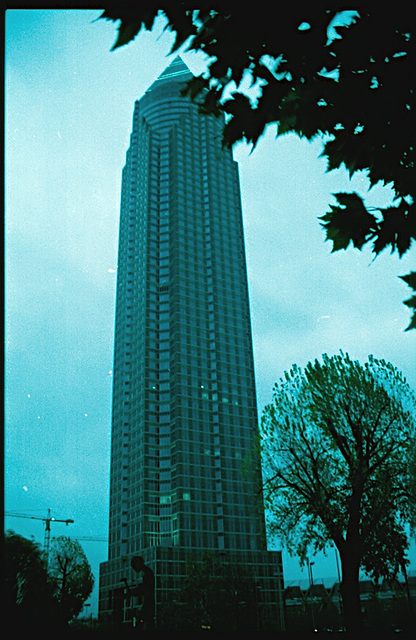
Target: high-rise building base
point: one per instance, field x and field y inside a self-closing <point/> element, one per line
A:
<point x="252" y="601"/>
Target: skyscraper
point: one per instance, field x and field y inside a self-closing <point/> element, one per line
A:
<point x="184" y="403"/>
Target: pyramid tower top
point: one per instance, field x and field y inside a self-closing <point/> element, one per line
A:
<point x="176" y="71"/>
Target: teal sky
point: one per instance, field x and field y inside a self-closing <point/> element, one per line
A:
<point x="68" y="111"/>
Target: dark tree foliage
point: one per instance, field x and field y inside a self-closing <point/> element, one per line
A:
<point x="318" y="69"/>
<point x="28" y="594"/>
<point x="71" y="572"/>
<point x="338" y="445"/>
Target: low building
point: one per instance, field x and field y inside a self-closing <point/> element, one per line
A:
<point x="319" y="605"/>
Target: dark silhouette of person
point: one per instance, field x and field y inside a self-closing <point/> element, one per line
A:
<point x="145" y="592"/>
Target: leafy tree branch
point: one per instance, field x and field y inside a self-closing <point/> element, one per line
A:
<point x="314" y="70"/>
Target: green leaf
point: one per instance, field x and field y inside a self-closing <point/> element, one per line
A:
<point x="195" y="86"/>
<point x="410" y="279"/>
<point x="131" y="22"/>
<point x="396" y="228"/>
<point x="180" y="22"/>
<point x="348" y="222"/>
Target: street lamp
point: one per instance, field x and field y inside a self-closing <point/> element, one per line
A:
<point x="310" y="565"/>
<point x="281" y="602"/>
<point x="88" y="610"/>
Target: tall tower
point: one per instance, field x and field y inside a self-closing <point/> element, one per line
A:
<point x="184" y="402"/>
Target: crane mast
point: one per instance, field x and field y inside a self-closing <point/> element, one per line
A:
<point x="47" y="521"/>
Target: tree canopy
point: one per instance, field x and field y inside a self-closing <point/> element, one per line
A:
<point x="338" y="446"/>
<point x="70" y="570"/>
<point x="317" y="70"/>
<point x="28" y="592"/>
<point x="39" y="595"/>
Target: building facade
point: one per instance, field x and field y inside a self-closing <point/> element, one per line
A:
<point x="184" y="418"/>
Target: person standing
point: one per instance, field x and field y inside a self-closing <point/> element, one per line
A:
<point x="144" y="591"/>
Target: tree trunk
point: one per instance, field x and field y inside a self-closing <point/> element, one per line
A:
<point x="350" y="590"/>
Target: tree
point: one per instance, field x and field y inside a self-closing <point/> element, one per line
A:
<point x="317" y="70"/>
<point x="71" y="572"/>
<point x="338" y="450"/>
<point x="28" y="592"/>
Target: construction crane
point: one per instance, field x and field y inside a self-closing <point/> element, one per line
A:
<point x="47" y="521"/>
<point x="90" y="539"/>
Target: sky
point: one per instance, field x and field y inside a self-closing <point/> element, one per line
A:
<point x="69" y="103"/>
